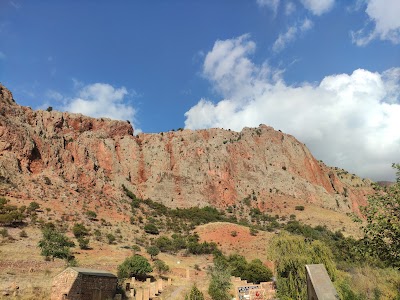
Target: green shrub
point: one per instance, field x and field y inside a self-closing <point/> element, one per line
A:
<point x="111" y="238"/>
<point x="253" y="231"/>
<point x="4" y="233"/>
<point x="299" y="207"/>
<point x="33" y="206"/>
<point x="194" y="294"/>
<point x="91" y="215"/>
<point x="151" y="228"/>
<point x="83" y="243"/>
<point x="79" y="230"/>
<point x="161" y="267"/>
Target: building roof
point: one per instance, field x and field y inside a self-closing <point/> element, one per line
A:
<point x="93" y="272"/>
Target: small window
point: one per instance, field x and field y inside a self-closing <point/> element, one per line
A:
<point x="128" y="286"/>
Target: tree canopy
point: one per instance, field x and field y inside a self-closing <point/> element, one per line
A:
<point x="291" y="254"/>
<point x="55" y="244"/>
<point x="382" y="231"/>
<point x="135" y="265"/>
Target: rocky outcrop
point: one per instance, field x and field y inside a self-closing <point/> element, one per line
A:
<point x="70" y="157"/>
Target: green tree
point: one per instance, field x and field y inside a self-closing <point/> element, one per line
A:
<point x="153" y="251"/>
<point x="256" y="272"/>
<point x="135" y="265"/>
<point x="54" y="244"/>
<point x="220" y="282"/>
<point x="164" y="243"/>
<point x="161" y="267"/>
<point x="291" y="254"/>
<point x="382" y="232"/>
<point x="195" y="294"/>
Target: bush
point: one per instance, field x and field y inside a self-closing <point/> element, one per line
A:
<point x="256" y="272"/>
<point x="83" y="243"/>
<point x="10" y="214"/>
<point x="33" y="206"/>
<point x="151" y="228"/>
<point x="161" y="267"/>
<point x="136" y="266"/>
<point x="4" y="233"/>
<point x="299" y="207"/>
<point x="194" y="294"/>
<point x="97" y="234"/>
<point x="253" y="231"/>
<point x="91" y="215"/>
<point x="135" y="248"/>
<point x="23" y="234"/>
<point x="79" y="230"/>
<point x="111" y="238"/>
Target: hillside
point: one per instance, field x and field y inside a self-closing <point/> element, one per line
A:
<point x="70" y="159"/>
<point x="96" y="172"/>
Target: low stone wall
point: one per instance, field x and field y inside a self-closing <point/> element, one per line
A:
<point x="150" y="291"/>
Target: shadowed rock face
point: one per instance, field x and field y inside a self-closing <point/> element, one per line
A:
<point x="60" y="156"/>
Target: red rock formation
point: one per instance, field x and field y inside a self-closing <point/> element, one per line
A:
<point x="63" y="156"/>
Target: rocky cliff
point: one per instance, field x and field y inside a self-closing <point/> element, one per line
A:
<point x="82" y="161"/>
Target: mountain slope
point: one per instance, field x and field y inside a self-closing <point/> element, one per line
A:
<point x="71" y="158"/>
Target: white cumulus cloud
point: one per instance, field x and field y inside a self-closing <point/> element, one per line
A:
<point x="318" y="7"/>
<point x="101" y="100"/>
<point x="347" y="120"/>
<point x="385" y="15"/>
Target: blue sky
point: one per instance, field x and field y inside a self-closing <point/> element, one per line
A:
<point x="326" y="71"/>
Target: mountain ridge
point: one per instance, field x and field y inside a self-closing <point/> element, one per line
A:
<point x="65" y="157"/>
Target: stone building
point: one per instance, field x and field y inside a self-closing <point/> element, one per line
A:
<point x="83" y="284"/>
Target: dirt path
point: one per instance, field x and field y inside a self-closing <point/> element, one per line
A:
<point x="176" y="294"/>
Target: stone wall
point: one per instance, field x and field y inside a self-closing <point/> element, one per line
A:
<point x="63" y="283"/>
<point x="72" y="285"/>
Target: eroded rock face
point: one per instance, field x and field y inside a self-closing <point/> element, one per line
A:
<point x="63" y="156"/>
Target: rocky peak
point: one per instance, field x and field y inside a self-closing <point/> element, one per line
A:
<point x="6" y="96"/>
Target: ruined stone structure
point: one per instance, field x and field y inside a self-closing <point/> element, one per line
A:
<point x="244" y="290"/>
<point x="145" y="291"/>
<point x="83" y="284"/>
